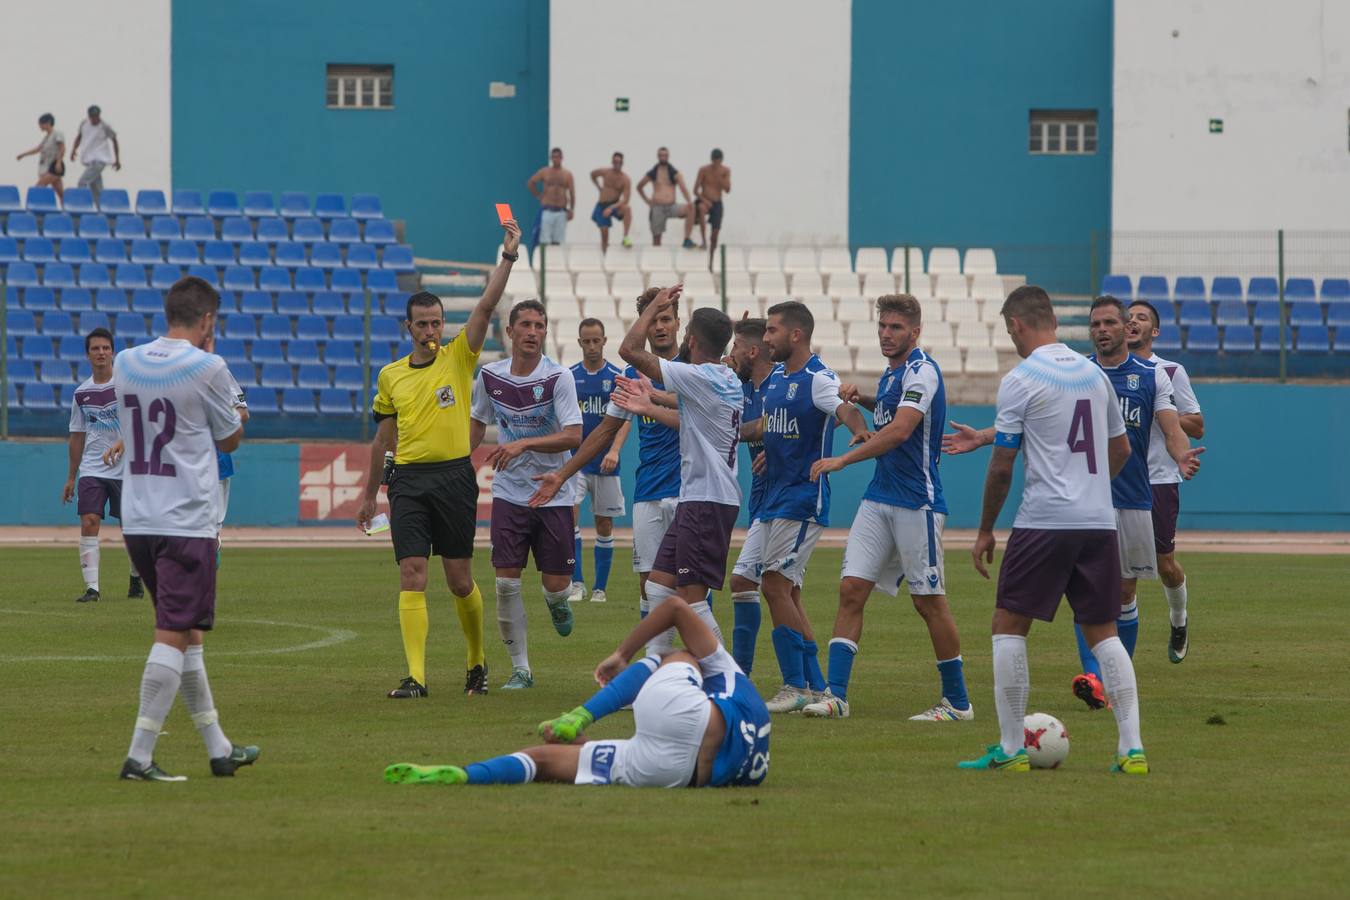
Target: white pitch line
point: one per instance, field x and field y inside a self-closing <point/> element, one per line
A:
<point x="331" y="637"/>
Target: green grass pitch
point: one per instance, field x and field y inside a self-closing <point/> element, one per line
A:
<point x="1247" y="796"/>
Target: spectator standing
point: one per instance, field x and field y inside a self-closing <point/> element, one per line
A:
<point x="51" y="154"/>
<point x="98" y="137"/>
<point x="616" y="190"/>
<point x="712" y="182"/>
<point x="557" y="199"/>
<point x="664" y="179"/>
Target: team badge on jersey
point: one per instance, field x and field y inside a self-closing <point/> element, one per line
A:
<point x="1132" y="382"/>
<point x="607" y="385"/>
<point x="792" y="390"/>
<point x="445" y="396"/>
<point x="538" y="392"/>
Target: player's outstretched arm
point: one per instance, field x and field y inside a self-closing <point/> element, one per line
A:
<point x="635" y="395"/>
<point x="633" y="349"/>
<point x="673" y="612"/>
<point x="475" y="330"/>
<point x="895" y="433"/>
<point x="569" y="438"/>
<point x="1178" y="444"/>
<point x="594" y="444"/>
<point x="964" y="439"/>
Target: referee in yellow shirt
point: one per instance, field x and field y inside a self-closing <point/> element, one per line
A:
<point x="422" y="406"/>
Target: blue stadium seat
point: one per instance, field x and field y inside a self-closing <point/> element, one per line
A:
<point x="295" y="205"/>
<point x="9" y="250"/>
<point x="94" y="276"/>
<point x="93" y="227"/>
<point x="1335" y="290"/>
<point x="209" y="274"/>
<point x="238" y="278"/>
<point x="1152" y="288"/>
<point x="61" y="275"/>
<point x="236" y="229"/>
<point x="129" y="325"/>
<point x="146" y="252"/>
<point x="259" y="204"/>
<point x="199" y="229"/>
<point x="268" y="351"/>
<point x="9" y="199"/>
<point x="385" y="328"/>
<point x="76" y="250"/>
<point x="1239" y="339"/>
<point x="1268" y="339"/>
<point x="222" y="203"/>
<point x="344" y="231"/>
<point x="65" y="394"/>
<point x="274" y="278"/>
<point x="218" y="253"/>
<point x="57" y="323"/>
<point x="229" y="302"/>
<point x="381" y="231"/>
<point x="342" y="353"/>
<point x="347" y="377"/>
<point x="233" y="350"/>
<point x="362" y="256"/>
<point x="398" y="258"/>
<point x="273" y="231"/>
<point x="109" y="300"/>
<point x="313" y="376"/>
<point x="1202" y="339"/>
<point x="114" y="202"/>
<point x="129" y="228"/>
<point x="346" y="281"/>
<point x="291" y="255"/>
<point x="308" y="231"/>
<point x="77" y="300"/>
<point x="325" y="256"/>
<point x="1259" y="289"/>
<point x="395" y="303"/>
<point x="158" y="325"/>
<point x="301" y="352"/>
<point x="39" y="396"/>
<point x="58" y="226"/>
<point x="21" y="369"/>
<point x="1300" y="290"/>
<point x="165" y="228"/>
<point x="79" y="200"/>
<point x="1338" y="315"/>
<point x="183" y="253"/>
<point x="1265" y="312"/>
<point x="39" y="349"/>
<point x="292" y="303"/>
<point x="241" y="327"/>
<point x="1169" y="337"/>
<point x="276" y="375"/>
<point x="40" y="250"/>
<point x="1230" y="312"/>
<point x="42" y="200"/>
<point x="366" y="206"/>
<point x="275" y="327"/>
<point x="163" y="276"/>
<point x="188" y="203"/>
<point x="22" y="225"/>
<point x="1312" y="339"/>
<point x="1189" y="287"/>
<point x="70" y="348"/>
<point x="335" y="402"/>
<point x="311" y="328"/>
<point x="329" y="304"/>
<point x="348" y="328"/>
<point x="39" y="299"/>
<point x="310" y="280"/>
<point x="91" y="320"/>
<point x="56" y="372"/>
<point x="1342" y="342"/>
<point x="22" y="274"/>
<point x="256" y="303"/>
<point x="298" y="401"/>
<point x="129" y="276"/>
<point x="1225" y="288"/>
<point x="262" y="402"/>
<point x="254" y="253"/>
<point x="330" y="206"/>
<point x="150" y="203"/>
<point x="241" y="370"/>
<point x="1305" y="313"/>
<point x="383" y="281"/>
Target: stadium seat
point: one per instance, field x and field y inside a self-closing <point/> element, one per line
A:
<point x="41" y="250"/>
<point x="1189" y="287"/>
<point x="70" y="348"/>
<point x="1118" y="286"/>
<point x="91" y="275"/>
<point x="256" y="303"/>
<point x="129" y="325"/>
<point x="183" y="253"/>
<point x="274" y="327"/>
<point x="1300" y="290"/>
<point x="398" y="258"/>
<point x="348" y="328"/>
<point x="148" y="203"/>
<point x="165" y="228"/>
<point x="328" y="304"/>
<point x="240" y="368"/>
<point x="145" y="252"/>
<point x="274" y="278"/>
<point x="9" y="199"/>
<point x="295" y="205"/>
<point x="313" y="376"/>
<point x="347" y="377"/>
<point x="199" y="228"/>
<point x="259" y="204"/>
<point x="380" y="281"/>
<point x="241" y="327"/>
<point x="290" y="255"/>
<point x="21" y="369"/>
<point x="325" y="256"/>
<point x="22" y="274"/>
<point x="1342" y="342"/>
<point x="129" y="276"/>
<point x="981" y="361"/>
<point x="941" y="261"/>
<point x="39" y="299"/>
<point x="344" y="231"/>
<point x="1169" y="337"/>
<point x="1265" y="313"/>
<point x="164" y="276"/>
<point x="42" y="200"/>
<point x="1312" y="339"/>
<point x="1194" y="312"/>
<point x="78" y="300"/>
<point x="276" y="375"/>
<point x="760" y="259"/>
<point x="385" y="328"/>
<point x="128" y="228"/>
<point x="366" y="206"/>
<point x="1268" y="339"/>
<point x="91" y="320"/>
<point x="342" y="353"/>
<point x="58" y="226"/>
<point x="308" y="231"/>
<point x="1200" y="338"/>
<point x="380" y="231"/>
<point x="268" y="350"/>
<point x="238" y="278"/>
<point x="23" y="225"/>
<point x="9" y="250"/>
<point x="1154" y="289"/>
<point x="335" y="402"/>
<point x="1239" y="339"/>
<point x="915" y="257"/>
<point x="330" y="206"/>
<point x="297" y="401"/>
<point x="951" y="287"/>
<point x="1225" y="288"/>
<point x="236" y="229"/>
<point x="254" y="254"/>
<point x="1335" y="290"/>
<point x="39" y="396"/>
<point x="114" y="202"/>
<point x="1338" y="316"/>
<point x="273" y="231"/>
<point x="311" y="328"/>
<point x="147" y="301"/>
<point x="262" y="402"/>
<point x="800" y="260"/>
<point x="979" y="261"/>
<point x="1259" y="289"/>
<point x="222" y="203"/>
<point x="627" y="285"/>
<point x="1230" y="312"/>
<point x="362" y="256"/>
<point x="107" y="300"/>
<point x="1304" y="313"/>
<point x="158" y="325"/>
<point x="310" y="280"/>
<point x="804" y="284"/>
<point x="292" y="303"/>
<point x="345" y="281"/>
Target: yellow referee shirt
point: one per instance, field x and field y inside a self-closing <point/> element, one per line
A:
<point x="431" y="402"/>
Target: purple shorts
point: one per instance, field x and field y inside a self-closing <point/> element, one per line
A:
<point x="1166" y="505"/>
<point x="697" y="543"/>
<point x="180" y="573"/>
<point x="1042" y="565"/>
<point x="517" y="531"/>
<point x="93" y="494"/>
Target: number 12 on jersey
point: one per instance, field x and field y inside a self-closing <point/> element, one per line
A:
<point x="161" y="413"/>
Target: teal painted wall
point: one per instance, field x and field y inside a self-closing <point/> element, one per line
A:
<point x="938" y="124"/>
<point x="249" y="109"/>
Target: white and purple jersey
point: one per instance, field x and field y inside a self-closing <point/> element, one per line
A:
<point x="525" y="406"/>
<point x="799" y="425"/>
<point x="907" y="476"/>
<point x="1058" y="406"/>
<point x="1162" y="468"/>
<point x="743" y="758"/>
<point x="94" y="412"/>
<point x="710" y="401"/>
<point x="1142" y="389"/>
<point x="175" y="401"/>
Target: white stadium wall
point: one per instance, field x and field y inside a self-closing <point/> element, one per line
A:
<point x="702" y="74"/>
<point x="88" y="52"/>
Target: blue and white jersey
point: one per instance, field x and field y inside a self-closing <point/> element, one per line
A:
<point x="907" y="475"/>
<point x="593" y="390"/>
<point x="1141" y="389"/>
<point x="658" y="471"/>
<point x="743" y="758"/>
<point x="798" y="430"/>
<point x="753" y="410"/>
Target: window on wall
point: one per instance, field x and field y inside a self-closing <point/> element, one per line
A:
<point x="360" y="87"/>
<point x="1071" y="132"/>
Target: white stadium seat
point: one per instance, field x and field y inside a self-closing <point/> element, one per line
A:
<point x="838" y="357"/>
<point x="525" y="261"/>
<point x="617" y="329"/>
<point x="948" y="359"/>
<point x="735" y="257"/>
<point x="800" y="259"/>
<point x="521" y="284"/>
<point x="626" y="285"/>
<point x="827" y="331"/>
<point x="654" y="259"/>
<point x="598" y="307"/>
<point x="584" y="258"/>
<point x="861" y="333"/>
<point x="944" y="260"/>
<point x="869" y="365"/>
<point x="982" y="361"/>
<point x="920" y="285"/>
<point x="962" y="311"/>
<point x="692" y="260"/>
<point x="738" y="282"/>
<point x="871" y="259"/>
<point x="562" y="329"/>
<point x="874" y="284"/>
<point x="821" y="306"/>
<point x="835" y="261"/>
<point x="771" y="285"/>
<point x="743" y="301"/>
<point x="564" y="307"/>
<point x="592" y="284"/>
<point x="987" y="287"/>
<point x="620" y="259"/>
<point x="949" y="287"/>
<point x="990" y="313"/>
<point x="700" y="284"/>
<point x="854" y="309"/>
<point x="980" y="261"/>
<point x="999" y="337"/>
<point x="936" y="334"/>
<point x="764" y="259"/>
<point x="806" y="284"/>
<point x="552" y="256"/>
<point x="662" y="277"/>
<point x="915" y="260"/>
<point x="972" y="334"/>
<point x="844" y="284"/>
<point x="556" y="281"/>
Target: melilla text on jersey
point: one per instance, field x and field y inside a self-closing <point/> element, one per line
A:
<point x="779" y="422"/>
<point x="1132" y="412"/>
<point x="594" y="405"/>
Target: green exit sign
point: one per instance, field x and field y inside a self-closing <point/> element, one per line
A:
<point x="621" y="104"/>
<point x="1216" y="126"/>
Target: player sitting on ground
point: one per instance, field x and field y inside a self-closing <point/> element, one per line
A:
<point x="699" y="722"/>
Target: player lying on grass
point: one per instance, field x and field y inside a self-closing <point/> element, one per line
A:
<point x="699" y="722"/>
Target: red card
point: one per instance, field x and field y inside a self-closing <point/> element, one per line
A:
<point x="504" y="213"/>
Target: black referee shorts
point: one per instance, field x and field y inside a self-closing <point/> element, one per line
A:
<point x="433" y="509"/>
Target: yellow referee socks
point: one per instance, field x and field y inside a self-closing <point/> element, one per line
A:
<point x="412" y="621"/>
<point x="470" y="611"/>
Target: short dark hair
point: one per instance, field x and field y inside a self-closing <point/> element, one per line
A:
<point x="1107" y="300"/>
<point x="555" y="150"/>
<point x="903" y="305"/>
<point x="1031" y="305"/>
<point x="97" y="333"/>
<point x="1152" y="311"/>
<point x="751" y="328"/>
<point x="794" y="314"/>
<point x="189" y="301"/>
<point x="46" y="119"/>
<point x="591" y="322"/>
<point x="659" y="149"/>
<point x="645" y="298"/>
<point x="422" y="298"/>
<point x="716" y="154"/>
<point x="525" y="305"/>
<point x="712" y="327"/>
<point x="94" y="110"/>
<point x="618" y="153"/>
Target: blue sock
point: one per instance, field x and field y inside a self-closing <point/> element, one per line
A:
<point x="578" y="570"/>
<point x="514" y="769"/>
<point x="622" y="690"/>
<point x="787" y="645"/>
<point x="709" y="598"/>
<point x="1127" y="626"/>
<point x="745" y="630"/>
<point x="604" y="558"/>
<point x="1085" y="657"/>
<point x="842" y="651"/>
<point x="954" y="682"/>
<point x="815" y="679"/>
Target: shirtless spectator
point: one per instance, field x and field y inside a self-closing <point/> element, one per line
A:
<point x="664" y="179"/>
<point x="616" y="189"/>
<point x="712" y="182"/>
<point x="557" y="199"/>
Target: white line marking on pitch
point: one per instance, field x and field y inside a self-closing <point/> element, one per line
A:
<point x="331" y="637"/>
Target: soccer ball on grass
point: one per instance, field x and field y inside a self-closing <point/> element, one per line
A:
<point x="1047" y="741"/>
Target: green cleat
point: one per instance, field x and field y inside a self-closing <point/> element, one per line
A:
<point x="995" y="758"/>
<point x="565" y="728"/>
<point x="561" y="614"/>
<point x="225" y="766"/>
<point x="520" y="679"/>
<point x="407" y="773"/>
<point x="1132" y="763"/>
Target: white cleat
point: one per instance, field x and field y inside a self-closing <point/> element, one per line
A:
<point x="826" y="706"/>
<point x="789" y="699"/>
<point x="578" y="592"/>
<point x="945" y="712"/>
<point x="598" y="596"/>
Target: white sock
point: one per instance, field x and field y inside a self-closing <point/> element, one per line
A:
<point x="706" y="614"/>
<point x="89" y="561"/>
<point x="1012" y="684"/>
<point x="1123" y="691"/>
<point x="1176" y="603"/>
<point x="511" y="621"/>
<point x="531" y="770"/>
<point x="196" y="693"/>
<point x="1129" y="612"/>
<point x="159" y="685"/>
<point x="745" y="597"/>
<point x="664" y="642"/>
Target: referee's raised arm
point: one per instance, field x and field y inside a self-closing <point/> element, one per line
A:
<point x="475" y="330"/>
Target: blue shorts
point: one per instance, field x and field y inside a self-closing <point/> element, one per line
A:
<point x="598" y="214"/>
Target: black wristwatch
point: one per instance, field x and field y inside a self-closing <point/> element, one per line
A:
<point x="506" y="255"/>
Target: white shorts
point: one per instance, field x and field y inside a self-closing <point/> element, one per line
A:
<point x="651" y="518"/>
<point x="1134" y="534"/>
<point x="224" y="504"/>
<point x="605" y="491"/>
<point x="750" y="561"/>
<point x="670" y="716"/>
<point x="890" y="545"/>
<point x="552" y="226"/>
<point x="786" y="548"/>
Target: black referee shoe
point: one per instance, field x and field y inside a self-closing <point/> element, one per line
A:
<point x="475" y="680"/>
<point x="89" y="596"/>
<point x="135" y="590"/>
<point x="408" y="689"/>
<point x="1179" y="643"/>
